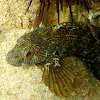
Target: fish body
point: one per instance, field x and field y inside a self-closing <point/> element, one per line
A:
<point x="66" y="39"/>
<point x="49" y="45"/>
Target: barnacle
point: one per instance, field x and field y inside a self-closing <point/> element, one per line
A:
<point x="44" y="3"/>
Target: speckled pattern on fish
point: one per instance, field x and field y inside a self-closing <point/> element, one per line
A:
<point x="49" y="45"/>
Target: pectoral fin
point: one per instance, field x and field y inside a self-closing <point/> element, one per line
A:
<point x="59" y="79"/>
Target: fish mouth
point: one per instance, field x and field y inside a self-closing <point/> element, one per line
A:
<point x="12" y="60"/>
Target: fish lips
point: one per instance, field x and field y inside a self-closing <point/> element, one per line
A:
<point x="13" y="59"/>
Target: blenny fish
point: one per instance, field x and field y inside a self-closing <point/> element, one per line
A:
<point x="48" y="46"/>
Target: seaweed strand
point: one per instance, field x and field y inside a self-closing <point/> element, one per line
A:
<point x="30" y="2"/>
<point x="85" y="5"/>
<point x="61" y="2"/>
<point x="57" y="5"/>
<point x="68" y="3"/>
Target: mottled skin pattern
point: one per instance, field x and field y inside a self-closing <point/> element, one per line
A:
<point x="66" y="39"/>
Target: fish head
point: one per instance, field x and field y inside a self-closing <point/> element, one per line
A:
<point x="27" y="51"/>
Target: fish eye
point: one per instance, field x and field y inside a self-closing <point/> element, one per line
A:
<point x="28" y="53"/>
